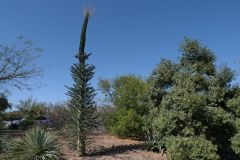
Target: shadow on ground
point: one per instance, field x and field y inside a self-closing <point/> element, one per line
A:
<point x="103" y="151"/>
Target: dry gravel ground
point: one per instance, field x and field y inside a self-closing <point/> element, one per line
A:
<point x="106" y="147"/>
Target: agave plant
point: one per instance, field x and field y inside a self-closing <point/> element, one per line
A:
<point x="36" y="144"/>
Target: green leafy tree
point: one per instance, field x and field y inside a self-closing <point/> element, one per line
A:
<point x="161" y="80"/>
<point x="235" y="144"/>
<point x="82" y="108"/>
<point x="30" y="110"/>
<point x="128" y="95"/>
<point x="197" y="57"/>
<point x="124" y="123"/>
<point x="200" y="103"/>
<point x="235" y="140"/>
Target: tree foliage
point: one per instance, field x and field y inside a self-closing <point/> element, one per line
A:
<point x="127" y="95"/>
<point x="17" y="64"/>
<point x="161" y="80"/>
<point x="190" y="148"/>
<point x="4" y="104"/>
<point x="124" y="123"/>
<point x="30" y="110"/>
<point x="191" y="108"/>
<point x="197" y="104"/>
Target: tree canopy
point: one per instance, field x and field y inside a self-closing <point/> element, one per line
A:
<point x="200" y="102"/>
<point x="17" y="64"/>
<point x="189" y="108"/>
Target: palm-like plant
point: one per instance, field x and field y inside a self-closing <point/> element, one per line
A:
<point x="36" y="144"/>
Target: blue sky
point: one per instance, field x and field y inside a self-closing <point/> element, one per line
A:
<point x="124" y="36"/>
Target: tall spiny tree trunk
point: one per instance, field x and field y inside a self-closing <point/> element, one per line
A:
<point x="83" y="117"/>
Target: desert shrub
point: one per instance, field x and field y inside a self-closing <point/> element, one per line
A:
<point x="127" y="95"/>
<point x="125" y="123"/>
<point x="2" y="143"/>
<point x="235" y="140"/>
<point x="197" y="99"/>
<point x="190" y="148"/>
<point x="30" y="110"/>
<point x="235" y="143"/>
<point x="233" y="105"/>
<point x="237" y="124"/>
<point x="57" y="116"/>
<point x="4" y="104"/>
<point x="161" y="80"/>
<point x="105" y="113"/>
<point x="182" y="104"/>
<point x="36" y="144"/>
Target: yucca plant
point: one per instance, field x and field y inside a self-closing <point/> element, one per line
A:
<point x="36" y="144"/>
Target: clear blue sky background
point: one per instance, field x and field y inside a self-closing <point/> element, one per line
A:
<point x="125" y="36"/>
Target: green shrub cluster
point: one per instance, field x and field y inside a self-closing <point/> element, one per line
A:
<point x="190" y="148"/>
<point x="124" y="123"/>
<point x="235" y="140"/>
<point x="197" y="107"/>
<point x="190" y="108"/>
<point x="235" y="143"/>
<point x="127" y="94"/>
<point x="30" y="110"/>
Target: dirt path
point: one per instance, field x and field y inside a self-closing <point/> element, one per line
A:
<point x="106" y="147"/>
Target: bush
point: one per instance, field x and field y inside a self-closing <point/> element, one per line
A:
<point x="235" y="144"/>
<point x="124" y="123"/>
<point x="2" y="140"/>
<point x="197" y="99"/>
<point x="190" y="148"/>
<point x="30" y="110"/>
<point x="36" y="144"/>
<point x="57" y="116"/>
<point x="105" y="113"/>
<point x="2" y="144"/>
<point x="128" y="94"/>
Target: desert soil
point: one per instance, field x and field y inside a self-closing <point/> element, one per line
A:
<point x="107" y="147"/>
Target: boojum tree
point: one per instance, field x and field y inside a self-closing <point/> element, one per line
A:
<point x="82" y="107"/>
